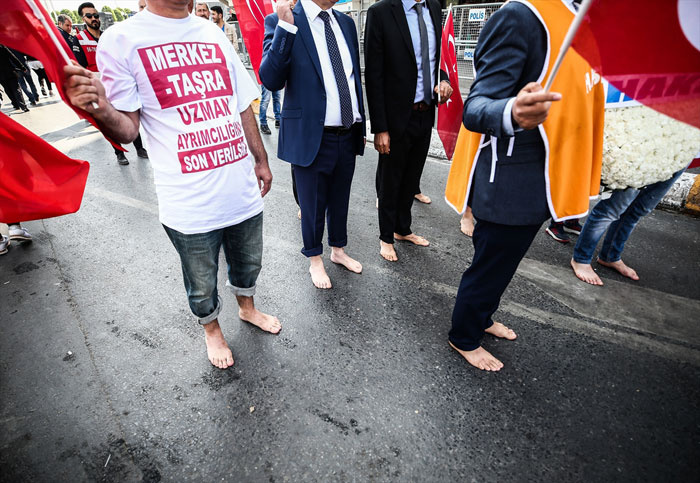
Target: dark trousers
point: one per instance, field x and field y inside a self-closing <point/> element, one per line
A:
<point x="323" y="189"/>
<point x="498" y="250"/>
<point x="138" y="144"/>
<point x="11" y="87"/>
<point x="294" y="186"/>
<point x="43" y="79"/>
<point x="398" y="176"/>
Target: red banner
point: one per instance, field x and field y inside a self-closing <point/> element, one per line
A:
<point x="450" y="113"/>
<point x="251" y="19"/>
<point x="649" y="50"/>
<point x="37" y="181"/>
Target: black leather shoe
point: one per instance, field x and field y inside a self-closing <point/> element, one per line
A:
<point x="277" y="124"/>
<point x="121" y="159"/>
<point x="264" y="128"/>
<point x="142" y="153"/>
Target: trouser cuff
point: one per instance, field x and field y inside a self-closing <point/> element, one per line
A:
<point x="211" y="317"/>
<point x="464" y="346"/>
<point x="312" y="252"/>
<point x="340" y="244"/>
<point x="241" y="291"/>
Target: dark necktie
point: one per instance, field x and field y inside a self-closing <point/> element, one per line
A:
<point x="425" y="56"/>
<point x="338" y="71"/>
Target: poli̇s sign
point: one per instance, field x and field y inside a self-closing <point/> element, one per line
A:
<point x="469" y="55"/>
<point x="477" y="14"/>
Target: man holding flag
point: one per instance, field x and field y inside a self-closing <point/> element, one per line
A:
<point x="181" y="78"/>
<point x="523" y="157"/>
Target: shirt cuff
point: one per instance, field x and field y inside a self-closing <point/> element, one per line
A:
<point x="507" y="118"/>
<point x="292" y="29"/>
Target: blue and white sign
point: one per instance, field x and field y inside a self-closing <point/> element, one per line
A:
<point x="469" y="54"/>
<point x="477" y="14"/>
<point x="615" y="98"/>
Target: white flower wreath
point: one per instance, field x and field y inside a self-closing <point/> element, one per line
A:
<point x="642" y="147"/>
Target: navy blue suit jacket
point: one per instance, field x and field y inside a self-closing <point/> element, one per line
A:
<point x="510" y="54"/>
<point x="293" y="63"/>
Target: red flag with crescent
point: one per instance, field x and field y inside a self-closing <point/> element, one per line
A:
<point x="251" y="19"/>
<point x="450" y="113"/>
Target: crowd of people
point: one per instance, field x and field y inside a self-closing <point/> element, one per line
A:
<point x="211" y="169"/>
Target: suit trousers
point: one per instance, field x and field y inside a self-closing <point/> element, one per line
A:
<point x="398" y="176"/>
<point x="138" y="144"/>
<point x="11" y="86"/>
<point x="323" y="189"/>
<point x="498" y="250"/>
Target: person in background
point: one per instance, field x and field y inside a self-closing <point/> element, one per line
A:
<point x="88" y="39"/>
<point x="617" y="215"/>
<point x="65" y="26"/>
<point x="217" y="16"/>
<point x="16" y="233"/>
<point x="25" y="79"/>
<point x="10" y="70"/>
<point x="404" y="84"/>
<point x="202" y="10"/>
<point x="44" y="82"/>
<point x="560" y="230"/>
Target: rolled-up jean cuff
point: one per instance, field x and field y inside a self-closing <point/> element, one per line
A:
<point x="580" y="259"/>
<point x="211" y="317"/>
<point x="241" y="292"/>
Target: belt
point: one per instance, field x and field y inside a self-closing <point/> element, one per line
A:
<point x="420" y="106"/>
<point x="337" y="130"/>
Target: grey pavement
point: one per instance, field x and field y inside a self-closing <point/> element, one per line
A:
<point x="104" y="376"/>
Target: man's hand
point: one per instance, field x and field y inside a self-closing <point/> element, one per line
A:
<point x="381" y="142"/>
<point x="83" y="89"/>
<point x="532" y="105"/>
<point x="264" y="175"/>
<point x="284" y="10"/>
<point x="444" y="91"/>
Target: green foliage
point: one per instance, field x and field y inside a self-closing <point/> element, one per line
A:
<point x="76" y="18"/>
<point x="118" y="17"/>
<point x="54" y="15"/>
<point x="107" y="8"/>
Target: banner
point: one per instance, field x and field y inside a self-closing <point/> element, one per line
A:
<point x="450" y="113"/>
<point x="649" y="50"/>
<point x="251" y="19"/>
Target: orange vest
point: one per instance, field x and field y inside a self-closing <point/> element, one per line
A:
<point x="572" y="133"/>
<point x="89" y="45"/>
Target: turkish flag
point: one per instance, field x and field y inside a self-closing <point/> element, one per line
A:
<point x="450" y="113"/>
<point x="22" y="29"/>
<point x="37" y="181"/>
<point x="649" y="50"/>
<point x="251" y="19"/>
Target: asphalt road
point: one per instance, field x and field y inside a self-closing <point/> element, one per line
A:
<point x="103" y="373"/>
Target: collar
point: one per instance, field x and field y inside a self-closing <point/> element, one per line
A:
<point x="408" y="4"/>
<point x="312" y="10"/>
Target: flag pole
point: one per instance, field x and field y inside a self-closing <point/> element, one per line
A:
<point x="585" y="5"/>
<point x="50" y="30"/>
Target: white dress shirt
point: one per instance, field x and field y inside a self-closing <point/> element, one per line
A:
<point x="409" y="7"/>
<point x="318" y="30"/>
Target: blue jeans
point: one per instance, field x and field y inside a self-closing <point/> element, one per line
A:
<point x="618" y="214"/>
<point x="199" y="257"/>
<point x="30" y="91"/>
<point x="265" y="101"/>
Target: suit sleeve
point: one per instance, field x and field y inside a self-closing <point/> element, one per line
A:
<point x="277" y="54"/>
<point x="503" y="50"/>
<point x="374" y="72"/>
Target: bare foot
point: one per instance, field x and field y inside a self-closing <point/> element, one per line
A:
<point x="466" y="224"/>
<point x="376" y="204"/>
<point x="585" y="272"/>
<point x="248" y="313"/>
<point x="413" y="238"/>
<point x="423" y="198"/>
<point x="387" y="251"/>
<point x="217" y="349"/>
<point x="620" y="267"/>
<point x="318" y="273"/>
<point x="299" y="214"/>
<point x="501" y="331"/>
<point x="339" y="256"/>
<point x="480" y="358"/>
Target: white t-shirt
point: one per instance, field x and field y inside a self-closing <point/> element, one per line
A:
<point x="190" y="85"/>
